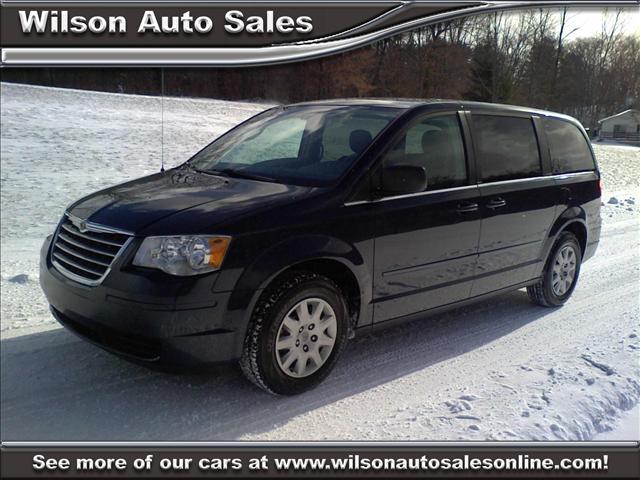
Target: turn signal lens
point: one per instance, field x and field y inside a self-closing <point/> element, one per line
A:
<point x="217" y="250"/>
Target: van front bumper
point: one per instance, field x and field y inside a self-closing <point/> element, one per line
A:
<point x="180" y="322"/>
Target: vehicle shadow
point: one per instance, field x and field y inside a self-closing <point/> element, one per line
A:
<point x="58" y="387"/>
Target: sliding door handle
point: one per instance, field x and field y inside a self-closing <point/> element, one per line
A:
<point x="466" y="207"/>
<point x="496" y="203"/>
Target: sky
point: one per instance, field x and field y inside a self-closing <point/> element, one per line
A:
<point x="588" y="22"/>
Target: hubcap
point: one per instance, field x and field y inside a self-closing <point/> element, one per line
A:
<point x="306" y="337"/>
<point x="564" y="270"/>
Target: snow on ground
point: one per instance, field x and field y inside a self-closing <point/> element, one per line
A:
<point x="620" y="169"/>
<point x="625" y="427"/>
<point x="501" y="369"/>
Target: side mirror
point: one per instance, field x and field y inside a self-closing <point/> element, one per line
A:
<point x="403" y="179"/>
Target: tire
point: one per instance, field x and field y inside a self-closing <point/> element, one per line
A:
<point x="553" y="290"/>
<point x="278" y="309"/>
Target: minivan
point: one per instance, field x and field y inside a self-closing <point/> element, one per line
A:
<point x="311" y="223"/>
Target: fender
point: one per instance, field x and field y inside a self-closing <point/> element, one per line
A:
<point x="568" y="216"/>
<point x="294" y="251"/>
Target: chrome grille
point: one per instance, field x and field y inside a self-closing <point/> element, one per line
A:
<point x="84" y="251"/>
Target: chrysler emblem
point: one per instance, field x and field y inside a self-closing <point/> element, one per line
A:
<point x="80" y="224"/>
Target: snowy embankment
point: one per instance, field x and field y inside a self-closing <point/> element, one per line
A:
<point x="502" y="369"/>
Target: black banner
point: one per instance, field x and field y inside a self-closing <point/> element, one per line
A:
<point x="570" y="460"/>
<point x="220" y="33"/>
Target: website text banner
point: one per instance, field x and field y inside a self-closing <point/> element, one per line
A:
<point x="222" y="33"/>
<point x="588" y="460"/>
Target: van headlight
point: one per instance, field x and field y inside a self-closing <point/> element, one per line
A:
<point x="184" y="254"/>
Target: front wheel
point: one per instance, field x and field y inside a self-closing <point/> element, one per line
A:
<point x="296" y="333"/>
<point x="560" y="274"/>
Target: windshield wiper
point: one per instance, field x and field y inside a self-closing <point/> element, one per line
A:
<point x="230" y="172"/>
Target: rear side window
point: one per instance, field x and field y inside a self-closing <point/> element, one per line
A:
<point x="568" y="147"/>
<point x="507" y="147"/>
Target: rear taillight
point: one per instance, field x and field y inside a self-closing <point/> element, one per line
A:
<point x="600" y="185"/>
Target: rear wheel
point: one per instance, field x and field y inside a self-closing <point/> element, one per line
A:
<point x="296" y="333"/>
<point x="560" y="274"/>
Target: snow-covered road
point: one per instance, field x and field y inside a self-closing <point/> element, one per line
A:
<point x="502" y="369"/>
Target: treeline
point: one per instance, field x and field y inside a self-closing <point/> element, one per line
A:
<point x="534" y="58"/>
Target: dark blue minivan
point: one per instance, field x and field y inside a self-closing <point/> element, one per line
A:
<point x="311" y="223"/>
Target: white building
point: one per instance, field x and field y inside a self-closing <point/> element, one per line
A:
<point x="621" y="127"/>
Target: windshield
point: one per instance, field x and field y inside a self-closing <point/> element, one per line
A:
<point x="306" y="145"/>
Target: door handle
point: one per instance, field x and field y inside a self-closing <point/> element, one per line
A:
<point x="466" y="207"/>
<point x="496" y="203"/>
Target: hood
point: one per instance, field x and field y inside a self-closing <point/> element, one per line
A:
<point x="136" y="205"/>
